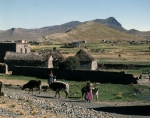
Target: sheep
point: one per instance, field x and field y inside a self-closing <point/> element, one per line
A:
<point x="60" y="86"/>
<point x="32" y="84"/>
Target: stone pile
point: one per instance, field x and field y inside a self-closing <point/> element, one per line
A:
<point x="21" y="106"/>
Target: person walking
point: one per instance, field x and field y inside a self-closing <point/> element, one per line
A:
<point x="89" y="93"/>
<point x="50" y="79"/>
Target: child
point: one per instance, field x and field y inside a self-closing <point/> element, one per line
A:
<point x="89" y="94"/>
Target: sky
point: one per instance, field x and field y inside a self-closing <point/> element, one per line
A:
<point x="30" y="14"/>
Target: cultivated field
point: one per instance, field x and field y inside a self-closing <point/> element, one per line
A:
<point x="110" y="53"/>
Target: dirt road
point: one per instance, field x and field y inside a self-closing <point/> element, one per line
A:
<point x="116" y="109"/>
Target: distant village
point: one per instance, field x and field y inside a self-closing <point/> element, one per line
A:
<point x="19" y="54"/>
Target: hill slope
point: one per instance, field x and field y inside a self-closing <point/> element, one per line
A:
<point x="33" y="34"/>
<point x="92" y="32"/>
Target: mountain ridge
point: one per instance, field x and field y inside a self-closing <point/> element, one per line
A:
<point x="34" y="34"/>
<point x="91" y="32"/>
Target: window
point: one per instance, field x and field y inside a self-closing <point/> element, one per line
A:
<point x="25" y="50"/>
<point x="21" y="50"/>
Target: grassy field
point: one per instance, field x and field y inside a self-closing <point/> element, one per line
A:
<point x="107" y="92"/>
<point x="109" y="54"/>
<point x="106" y="53"/>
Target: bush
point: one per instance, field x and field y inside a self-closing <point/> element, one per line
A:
<point x="72" y="62"/>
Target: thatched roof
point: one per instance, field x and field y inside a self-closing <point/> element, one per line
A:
<point x="26" y="56"/>
<point x="55" y="54"/>
<point x="83" y="55"/>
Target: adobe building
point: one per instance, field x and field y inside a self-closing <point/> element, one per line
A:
<point x="31" y="59"/>
<point x="87" y="62"/>
<point x="14" y="47"/>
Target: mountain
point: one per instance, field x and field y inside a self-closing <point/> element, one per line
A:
<point x="110" y="22"/>
<point x="90" y="31"/>
<point x="33" y="34"/>
<point x="54" y="31"/>
<point x="140" y="34"/>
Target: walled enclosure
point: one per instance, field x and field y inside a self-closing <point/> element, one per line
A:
<point x="77" y="75"/>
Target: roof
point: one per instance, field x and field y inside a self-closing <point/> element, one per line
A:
<point x="55" y="54"/>
<point x="83" y="55"/>
<point x="26" y="56"/>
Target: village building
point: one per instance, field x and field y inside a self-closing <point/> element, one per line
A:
<point x="32" y="59"/>
<point x="14" y="47"/>
<point x="57" y="56"/>
<point x="21" y="41"/>
<point x="87" y="62"/>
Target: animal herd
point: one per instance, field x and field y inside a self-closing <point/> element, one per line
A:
<point x="56" y="86"/>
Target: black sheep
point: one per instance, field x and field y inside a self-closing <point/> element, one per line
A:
<point x="32" y="84"/>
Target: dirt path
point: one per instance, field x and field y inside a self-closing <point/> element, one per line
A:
<point x="116" y="109"/>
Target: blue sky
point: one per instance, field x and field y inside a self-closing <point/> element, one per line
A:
<point x="132" y="14"/>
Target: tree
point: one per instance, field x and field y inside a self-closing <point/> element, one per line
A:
<point x="72" y="62"/>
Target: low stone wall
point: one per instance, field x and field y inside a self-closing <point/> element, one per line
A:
<point x="77" y="75"/>
<point x="122" y="66"/>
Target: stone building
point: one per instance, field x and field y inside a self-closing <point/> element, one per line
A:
<point x="57" y="56"/>
<point x="14" y="47"/>
<point x="31" y="59"/>
<point x="87" y="62"/>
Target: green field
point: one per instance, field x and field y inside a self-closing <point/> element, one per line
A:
<point x="109" y="54"/>
<point x="107" y="92"/>
<point x="106" y="53"/>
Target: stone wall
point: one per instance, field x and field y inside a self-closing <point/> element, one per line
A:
<point x="23" y="48"/>
<point x="77" y="75"/>
<point x="122" y="66"/>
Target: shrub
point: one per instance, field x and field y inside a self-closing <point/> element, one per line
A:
<point x="72" y="62"/>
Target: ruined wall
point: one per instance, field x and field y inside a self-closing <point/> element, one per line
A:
<point x="23" y="48"/>
<point x="77" y="75"/>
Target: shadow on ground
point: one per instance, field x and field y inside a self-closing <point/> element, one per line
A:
<point x="127" y="110"/>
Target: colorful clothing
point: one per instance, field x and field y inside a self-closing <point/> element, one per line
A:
<point x="89" y="96"/>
